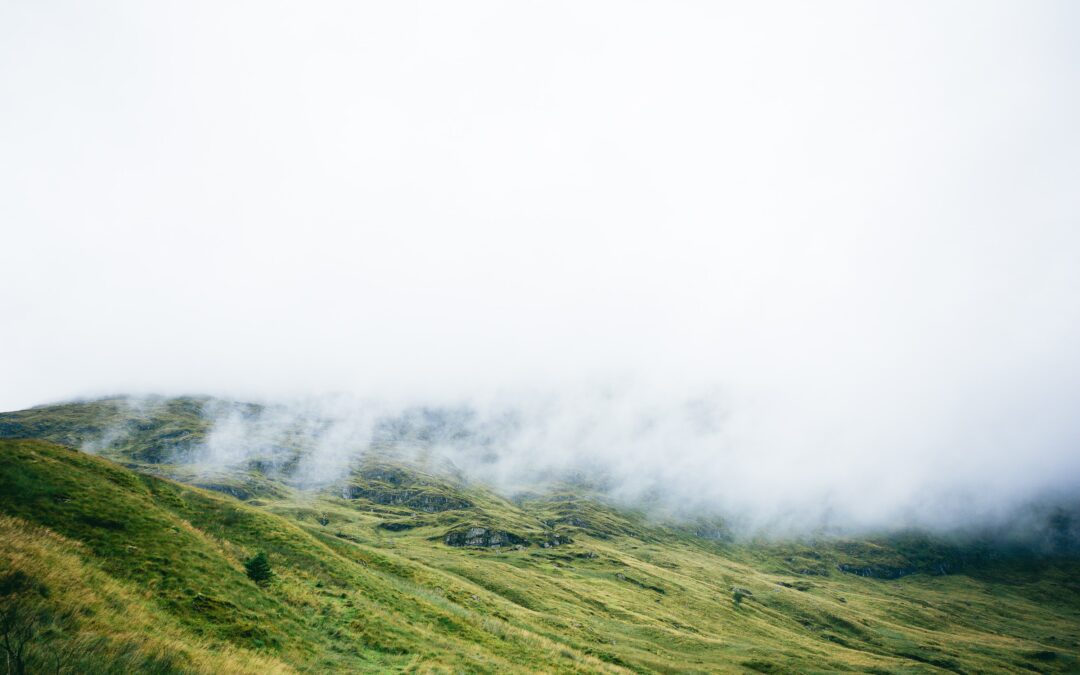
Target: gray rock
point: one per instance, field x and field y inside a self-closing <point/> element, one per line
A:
<point x="482" y="537"/>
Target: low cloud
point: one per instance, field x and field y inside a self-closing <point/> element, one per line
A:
<point x="799" y="265"/>
<point x="708" y="452"/>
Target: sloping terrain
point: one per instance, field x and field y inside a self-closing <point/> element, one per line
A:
<point x="404" y="568"/>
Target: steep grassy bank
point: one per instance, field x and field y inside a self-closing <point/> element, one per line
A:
<point x="404" y="569"/>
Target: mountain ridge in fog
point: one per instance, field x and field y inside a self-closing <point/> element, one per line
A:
<point x="315" y="443"/>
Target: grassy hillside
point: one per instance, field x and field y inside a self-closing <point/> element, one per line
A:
<point x="403" y="569"/>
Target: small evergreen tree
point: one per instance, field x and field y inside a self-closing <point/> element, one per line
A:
<point x="737" y="594"/>
<point x="258" y="569"/>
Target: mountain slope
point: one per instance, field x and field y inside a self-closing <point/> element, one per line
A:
<point x="402" y="568"/>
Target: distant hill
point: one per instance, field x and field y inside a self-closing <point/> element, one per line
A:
<point x="130" y="558"/>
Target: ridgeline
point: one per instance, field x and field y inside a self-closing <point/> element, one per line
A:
<point x="120" y="553"/>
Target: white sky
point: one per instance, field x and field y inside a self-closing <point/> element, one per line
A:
<point x="861" y="214"/>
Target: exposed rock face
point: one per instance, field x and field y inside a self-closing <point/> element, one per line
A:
<point x="388" y="474"/>
<point x="574" y="521"/>
<point x="939" y="568"/>
<point x="556" y="540"/>
<point x="877" y="571"/>
<point x="482" y="537"/>
<point x="421" y="500"/>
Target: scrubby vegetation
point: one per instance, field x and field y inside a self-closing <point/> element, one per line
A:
<point x="113" y="568"/>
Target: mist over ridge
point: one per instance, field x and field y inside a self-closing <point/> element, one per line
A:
<point x="797" y="264"/>
<point x="675" y="458"/>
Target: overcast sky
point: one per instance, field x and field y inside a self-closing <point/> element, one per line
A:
<point x="860" y="214"/>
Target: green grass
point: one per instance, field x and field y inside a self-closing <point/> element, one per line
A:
<point x="148" y="572"/>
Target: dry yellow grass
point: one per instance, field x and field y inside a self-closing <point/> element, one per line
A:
<point x="101" y="620"/>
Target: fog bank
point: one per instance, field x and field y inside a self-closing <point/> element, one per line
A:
<point x="679" y="457"/>
<point x="796" y="262"/>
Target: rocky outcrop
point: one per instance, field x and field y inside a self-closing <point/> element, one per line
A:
<point x="388" y="474"/>
<point x="482" y="537"/>
<point x="421" y="500"/>
<point x="573" y="521"/>
<point x="877" y="571"/>
<point x="556" y="540"/>
<point x="938" y="568"/>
